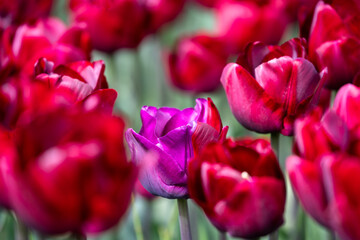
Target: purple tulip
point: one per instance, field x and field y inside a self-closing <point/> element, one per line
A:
<point x="165" y="144"/>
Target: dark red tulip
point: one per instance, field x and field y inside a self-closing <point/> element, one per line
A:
<point x="162" y="11"/>
<point x="197" y="63"/>
<point x="334" y="41"/>
<point x="21" y="11"/>
<point x="71" y="172"/>
<point x="271" y="86"/>
<point x="240" y="187"/>
<point x="237" y="20"/>
<point x="111" y="24"/>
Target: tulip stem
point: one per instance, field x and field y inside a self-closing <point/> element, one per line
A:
<point x="22" y="232"/>
<point x="274" y="235"/>
<point x="275" y="140"/>
<point x="184" y="220"/>
<point x="222" y="235"/>
<point x="79" y="236"/>
<point x="331" y="235"/>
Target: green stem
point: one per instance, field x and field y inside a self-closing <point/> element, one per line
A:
<point x="222" y="235"/>
<point x="274" y="235"/>
<point x="331" y="235"/>
<point x="22" y="232"/>
<point x="275" y="144"/>
<point x="184" y="220"/>
<point x="79" y="236"/>
<point x="275" y="140"/>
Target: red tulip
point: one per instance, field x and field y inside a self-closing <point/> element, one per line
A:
<point x="71" y="172"/>
<point x="315" y="136"/>
<point x="47" y="38"/>
<point x="111" y="24"/>
<point x="272" y="86"/>
<point x="341" y="174"/>
<point x="242" y="22"/>
<point x="21" y="11"/>
<point x="240" y="187"/>
<point x="162" y="11"/>
<point x="197" y="63"/>
<point x="334" y="41"/>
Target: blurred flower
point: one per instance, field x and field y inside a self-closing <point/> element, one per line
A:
<point x="111" y="24"/>
<point x="22" y="11"/>
<point x="334" y="41"/>
<point x="240" y="187"/>
<point x="326" y="164"/>
<point x="48" y="38"/>
<point x="162" y="11"/>
<point x="197" y="63"/>
<point x="315" y="136"/>
<point x="70" y="172"/>
<point x="167" y="140"/>
<point x="242" y="22"/>
<point x="272" y="86"/>
<point x="79" y="83"/>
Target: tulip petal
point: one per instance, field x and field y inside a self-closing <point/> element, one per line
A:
<point x="250" y="104"/>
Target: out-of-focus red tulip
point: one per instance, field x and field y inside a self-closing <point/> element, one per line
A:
<point x="341" y="175"/>
<point x="272" y="86"/>
<point x="326" y="164"/>
<point x="334" y="41"/>
<point x="315" y="136"/>
<point x="79" y="83"/>
<point x="21" y="11"/>
<point x="197" y="63"/>
<point x="240" y="187"/>
<point x="207" y="3"/>
<point x="242" y="22"/>
<point x="71" y="172"/>
<point x="111" y="24"/>
<point x="7" y="153"/>
<point x="162" y="11"/>
<point x="47" y="38"/>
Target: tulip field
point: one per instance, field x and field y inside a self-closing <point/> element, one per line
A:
<point x="179" y="119"/>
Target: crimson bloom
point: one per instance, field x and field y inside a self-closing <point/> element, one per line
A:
<point x="111" y="24"/>
<point x="270" y="86"/>
<point x="70" y="172"/>
<point x="197" y="63"/>
<point x="236" y="21"/>
<point x="161" y="12"/>
<point x="240" y="186"/>
<point x="334" y="41"/>
<point x="326" y="164"/>
<point x="167" y="140"/>
<point x="21" y="11"/>
<point x="48" y="38"/>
